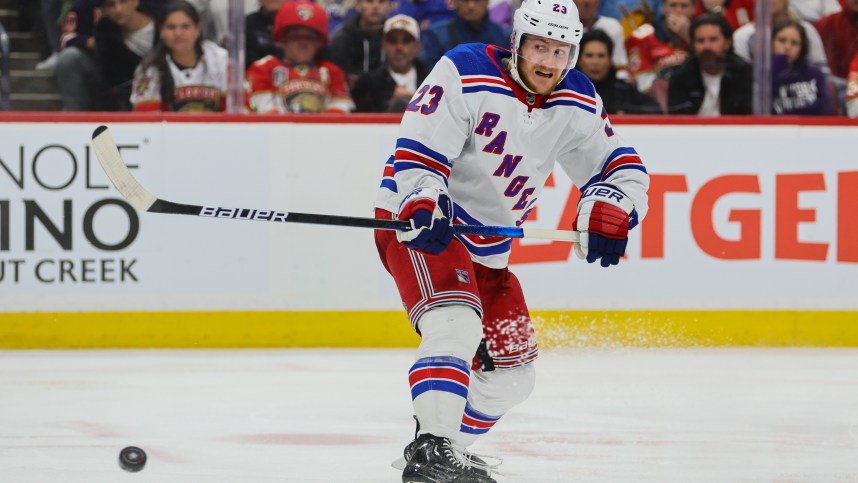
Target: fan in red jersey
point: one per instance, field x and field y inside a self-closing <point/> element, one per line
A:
<point x="301" y="80"/>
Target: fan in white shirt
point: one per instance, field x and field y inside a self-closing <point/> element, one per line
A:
<point x="182" y="72"/>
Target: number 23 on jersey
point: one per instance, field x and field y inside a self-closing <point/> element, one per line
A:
<point x="429" y="104"/>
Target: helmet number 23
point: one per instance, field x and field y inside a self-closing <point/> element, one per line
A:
<point x="431" y="104"/>
<point x="559" y="8"/>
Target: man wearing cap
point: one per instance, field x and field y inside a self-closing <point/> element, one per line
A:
<point x="389" y="87"/>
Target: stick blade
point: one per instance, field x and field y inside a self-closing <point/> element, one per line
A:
<point x="111" y="161"/>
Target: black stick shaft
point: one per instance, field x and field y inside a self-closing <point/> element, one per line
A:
<point x="163" y="206"/>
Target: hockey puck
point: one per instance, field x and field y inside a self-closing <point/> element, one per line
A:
<point x="132" y="459"/>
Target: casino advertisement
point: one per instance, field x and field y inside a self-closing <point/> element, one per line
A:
<point x="69" y="241"/>
<point x="754" y="217"/>
<point x="62" y="225"/>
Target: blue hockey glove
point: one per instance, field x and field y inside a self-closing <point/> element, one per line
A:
<point x="430" y="213"/>
<point x="603" y="221"/>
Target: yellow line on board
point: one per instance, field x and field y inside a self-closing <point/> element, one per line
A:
<point x="388" y="329"/>
<point x="205" y="329"/>
<point x="716" y="328"/>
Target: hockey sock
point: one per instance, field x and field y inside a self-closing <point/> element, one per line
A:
<point x="440" y="376"/>
<point x="490" y="396"/>
<point x="474" y="424"/>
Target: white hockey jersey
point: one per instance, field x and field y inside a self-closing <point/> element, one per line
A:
<point x="471" y="131"/>
<point x="201" y="88"/>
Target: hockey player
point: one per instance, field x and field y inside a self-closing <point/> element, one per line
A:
<point x="182" y="72"/>
<point x="300" y="81"/>
<point x="476" y="145"/>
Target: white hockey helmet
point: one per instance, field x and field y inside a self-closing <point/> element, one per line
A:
<point x="551" y="19"/>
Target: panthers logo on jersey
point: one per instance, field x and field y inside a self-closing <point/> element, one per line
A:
<point x="304" y="102"/>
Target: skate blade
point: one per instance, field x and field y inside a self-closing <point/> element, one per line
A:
<point x="399" y="464"/>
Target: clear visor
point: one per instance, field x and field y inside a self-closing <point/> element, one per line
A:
<point x="542" y="61"/>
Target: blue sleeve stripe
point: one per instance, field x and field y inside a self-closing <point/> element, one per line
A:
<point x="389" y="184"/>
<point x="422" y="149"/>
<point x="492" y="89"/>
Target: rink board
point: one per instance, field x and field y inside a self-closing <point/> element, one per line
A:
<point x="567" y="329"/>
<point x="750" y="240"/>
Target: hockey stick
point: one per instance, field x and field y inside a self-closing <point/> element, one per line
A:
<point x="142" y="200"/>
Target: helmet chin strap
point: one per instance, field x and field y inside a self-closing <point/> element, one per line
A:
<point x="513" y="72"/>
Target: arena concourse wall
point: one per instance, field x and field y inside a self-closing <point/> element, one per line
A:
<point x="751" y="239"/>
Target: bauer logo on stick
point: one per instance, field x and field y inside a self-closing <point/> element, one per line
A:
<point x="243" y="213"/>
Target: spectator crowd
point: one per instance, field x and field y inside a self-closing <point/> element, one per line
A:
<point x="643" y="56"/>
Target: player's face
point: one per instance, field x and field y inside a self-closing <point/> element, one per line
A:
<point x="301" y="45"/>
<point x="542" y="62"/>
<point x="120" y="11"/>
<point x="787" y="42"/>
<point x="595" y="60"/>
<point x="179" y="33"/>
<point x="401" y="49"/>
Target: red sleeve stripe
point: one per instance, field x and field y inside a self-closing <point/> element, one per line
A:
<point x="621" y="160"/>
<point x="567" y="94"/>
<point x="406" y="155"/>
<point x="479" y="79"/>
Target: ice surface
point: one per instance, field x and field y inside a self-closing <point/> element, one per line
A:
<point x="667" y="415"/>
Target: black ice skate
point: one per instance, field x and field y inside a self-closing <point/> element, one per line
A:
<point x="475" y="461"/>
<point x="432" y="459"/>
